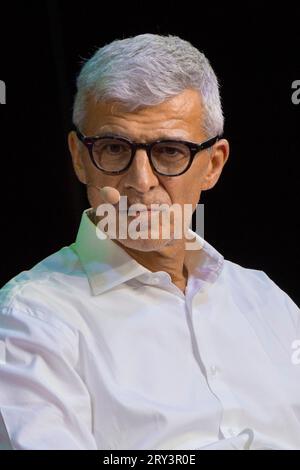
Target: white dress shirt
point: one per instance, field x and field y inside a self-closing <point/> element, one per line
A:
<point x="98" y="352"/>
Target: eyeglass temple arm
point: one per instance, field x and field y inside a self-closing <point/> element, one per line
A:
<point x="208" y="143"/>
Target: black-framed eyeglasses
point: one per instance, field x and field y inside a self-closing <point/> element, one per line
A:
<point x="114" y="154"/>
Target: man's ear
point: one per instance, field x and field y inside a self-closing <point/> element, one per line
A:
<point x="217" y="160"/>
<point x="77" y="156"/>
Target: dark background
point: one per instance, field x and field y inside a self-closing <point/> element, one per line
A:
<point x="251" y="216"/>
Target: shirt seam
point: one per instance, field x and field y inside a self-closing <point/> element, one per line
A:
<point x="8" y="310"/>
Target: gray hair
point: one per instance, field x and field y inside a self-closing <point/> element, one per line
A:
<point x="146" y="70"/>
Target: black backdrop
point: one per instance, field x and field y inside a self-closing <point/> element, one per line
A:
<point x="251" y="216"/>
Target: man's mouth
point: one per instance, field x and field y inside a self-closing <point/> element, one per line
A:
<point x="136" y="213"/>
<point x="135" y="208"/>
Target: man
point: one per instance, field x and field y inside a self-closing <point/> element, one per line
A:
<point x="143" y="343"/>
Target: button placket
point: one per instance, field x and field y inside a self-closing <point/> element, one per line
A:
<point x="211" y="357"/>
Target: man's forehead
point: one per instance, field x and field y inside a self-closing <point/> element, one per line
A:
<point x="176" y="114"/>
<point x="127" y="132"/>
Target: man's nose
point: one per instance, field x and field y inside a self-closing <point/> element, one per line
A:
<point x="140" y="175"/>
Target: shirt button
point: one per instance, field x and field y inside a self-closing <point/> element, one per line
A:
<point x="213" y="370"/>
<point x="155" y="280"/>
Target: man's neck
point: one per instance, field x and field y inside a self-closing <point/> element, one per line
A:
<point x="170" y="259"/>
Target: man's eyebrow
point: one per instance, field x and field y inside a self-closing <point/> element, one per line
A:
<point x="126" y="136"/>
<point x="111" y="133"/>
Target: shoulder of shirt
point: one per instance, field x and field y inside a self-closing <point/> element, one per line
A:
<point x="249" y="279"/>
<point x="37" y="292"/>
<point x="238" y="274"/>
<point x="256" y="291"/>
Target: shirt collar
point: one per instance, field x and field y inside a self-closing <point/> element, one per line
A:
<point x="107" y="265"/>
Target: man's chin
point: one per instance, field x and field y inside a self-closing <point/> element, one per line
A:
<point x="145" y="244"/>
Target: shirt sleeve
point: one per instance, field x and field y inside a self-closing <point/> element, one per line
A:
<point x="294" y="313"/>
<point x="44" y="402"/>
<point x="288" y="326"/>
<point x="284" y="302"/>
